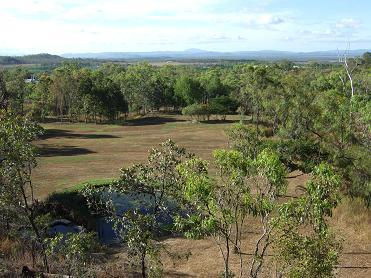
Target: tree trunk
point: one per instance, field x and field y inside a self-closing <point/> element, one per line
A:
<point x="143" y="265"/>
<point x="226" y="262"/>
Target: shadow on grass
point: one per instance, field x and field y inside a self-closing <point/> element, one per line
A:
<point x="172" y="273"/>
<point x="151" y="121"/>
<point x="49" y="151"/>
<point x="220" y="121"/>
<point x="52" y="133"/>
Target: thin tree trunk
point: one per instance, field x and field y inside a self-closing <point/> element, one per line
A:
<point x="143" y="265"/>
<point x="30" y="216"/>
<point x="226" y="264"/>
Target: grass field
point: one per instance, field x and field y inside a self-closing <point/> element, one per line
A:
<point x="74" y="153"/>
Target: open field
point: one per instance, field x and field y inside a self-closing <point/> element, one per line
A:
<point x="73" y="153"/>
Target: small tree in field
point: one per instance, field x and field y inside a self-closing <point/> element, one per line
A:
<point x="244" y="186"/>
<point x="151" y="188"/>
<point x="267" y="185"/>
<point x="205" y="197"/>
<point x="217" y="204"/>
<point x="305" y="245"/>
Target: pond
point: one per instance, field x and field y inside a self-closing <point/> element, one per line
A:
<point x="123" y="203"/>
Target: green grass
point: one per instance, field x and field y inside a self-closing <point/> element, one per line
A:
<point x="80" y="186"/>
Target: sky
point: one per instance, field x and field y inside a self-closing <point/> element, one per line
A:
<point x="76" y="26"/>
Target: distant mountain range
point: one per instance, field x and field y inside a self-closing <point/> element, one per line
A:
<point x="203" y="54"/>
<point x="190" y="54"/>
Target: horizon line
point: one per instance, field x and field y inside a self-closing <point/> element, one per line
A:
<point x="184" y="50"/>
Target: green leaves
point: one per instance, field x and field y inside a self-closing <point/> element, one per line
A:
<point x="218" y="205"/>
<point x="188" y="89"/>
<point x="305" y="246"/>
<point x="245" y="139"/>
<point x="73" y="248"/>
<point x="197" y="184"/>
<point x="230" y="160"/>
<point x="17" y="157"/>
<point x="269" y="165"/>
<point x="196" y="226"/>
<point x="323" y="195"/>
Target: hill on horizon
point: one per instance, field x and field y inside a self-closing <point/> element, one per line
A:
<point x="189" y="54"/>
<point x="194" y="53"/>
<point x="42" y="58"/>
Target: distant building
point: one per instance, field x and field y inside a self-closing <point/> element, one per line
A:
<point x="32" y="79"/>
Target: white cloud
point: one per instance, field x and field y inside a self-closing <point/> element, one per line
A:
<point x="348" y="23"/>
<point x="109" y="9"/>
<point x="240" y="18"/>
<point x="82" y="25"/>
<point x="58" y="26"/>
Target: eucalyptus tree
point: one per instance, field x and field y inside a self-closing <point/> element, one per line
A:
<point x="138" y="86"/>
<point x="304" y="244"/>
<point x="167" y="76"/>
<point x="299" y="109"/>
<point x="243" y="187"/>
<point x="64" y="88"/>
<point x="41" y="98"/>
<point x="212" y="84"/>
<point x="17" y="159"/>
<point x="269" y="183"/>
<point x="16" y="89"/>
<point x="73" y="252"/>
<point x="217" y="206"/>
<point x="105" y="97"/>
<point x="245" y="140"/>
<point x="189" y="90"/>
<point x="258" y="86"/>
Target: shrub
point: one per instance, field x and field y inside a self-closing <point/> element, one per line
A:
<point x="200" y="111"/>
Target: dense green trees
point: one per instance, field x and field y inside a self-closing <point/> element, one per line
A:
<point x="79" y="92"/>
<point x="3" y="92"/>
<point x="189" y="90"/>
<point x="16" y="89"/>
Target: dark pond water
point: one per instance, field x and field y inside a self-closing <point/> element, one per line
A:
<point x="123" y="203"/>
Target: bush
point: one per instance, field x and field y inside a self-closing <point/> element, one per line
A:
<point x="200" y="111"/>
<point x="73" y="249"/>
<point x="221" y="106"/>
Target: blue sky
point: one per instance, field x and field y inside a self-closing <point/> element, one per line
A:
<point x="56" y="26"/>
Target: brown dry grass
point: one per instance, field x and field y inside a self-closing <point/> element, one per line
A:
<point x="73" y="153"/>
